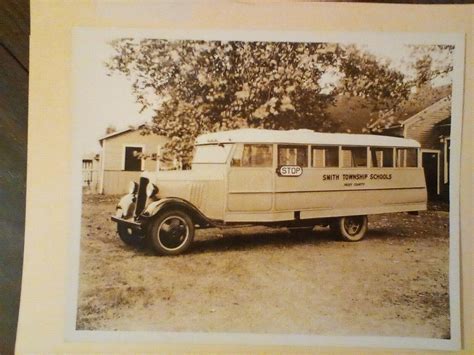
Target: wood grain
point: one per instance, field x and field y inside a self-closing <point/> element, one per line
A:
<point x="14" y="39"/>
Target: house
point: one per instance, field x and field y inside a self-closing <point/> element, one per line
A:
<point x="125" y="154"/>
<point x="90" y="172"/>
<point x="431" y="128"/>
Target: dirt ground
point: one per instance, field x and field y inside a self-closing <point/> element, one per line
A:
<point x="394" y="282"/>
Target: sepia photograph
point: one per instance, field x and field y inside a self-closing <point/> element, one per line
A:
<point x="264" y="183"/>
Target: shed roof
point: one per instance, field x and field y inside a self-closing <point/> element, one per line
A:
<point x="89" y="156"/>
<point x="113" y="134"/>
<point x="303" y="136"/>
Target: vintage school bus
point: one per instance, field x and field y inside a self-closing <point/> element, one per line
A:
<point x="297" y="178"/>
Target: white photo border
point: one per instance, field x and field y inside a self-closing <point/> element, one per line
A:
<point x="200" y="338"/>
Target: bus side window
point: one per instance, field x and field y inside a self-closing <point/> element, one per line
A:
<point x="237" y="157"/>
<point x="293" y="155"/>
<point x="412" y="158"/>
<point x="354" y="157"/>
<point x="377" y="157"/>
<point x="407" y="157"/>
<point x="382" y="157"/>
<point x="253" y="155"/>
<point x="324" y="157"/>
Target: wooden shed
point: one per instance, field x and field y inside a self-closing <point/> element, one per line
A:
<point x="90" y="172"/>
<point x="431" y="127"/>
<point x="122" y="158"/>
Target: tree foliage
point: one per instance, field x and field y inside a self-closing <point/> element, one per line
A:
<point x="431" y="65"/>
<point x="195" y="87"/>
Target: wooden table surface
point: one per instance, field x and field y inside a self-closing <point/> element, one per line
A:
<point x="14" y="39"/>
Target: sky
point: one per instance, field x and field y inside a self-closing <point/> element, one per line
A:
<point x="101" y="100"/>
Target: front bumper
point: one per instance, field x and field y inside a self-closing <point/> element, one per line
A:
<point x="127" y="223"/>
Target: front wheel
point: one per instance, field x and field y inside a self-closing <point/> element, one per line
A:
<point x="350" y="228"/>
<point x="128" y="235"/>
<point x="171" y="233"/>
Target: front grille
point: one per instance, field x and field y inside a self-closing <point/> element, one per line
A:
<point x="141" y="197"/>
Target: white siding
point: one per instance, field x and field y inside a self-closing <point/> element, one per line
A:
<point x="115" y="178"/>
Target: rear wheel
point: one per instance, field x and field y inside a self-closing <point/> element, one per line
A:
<point x="350" y="228"/>
<point x="171" y="233"/>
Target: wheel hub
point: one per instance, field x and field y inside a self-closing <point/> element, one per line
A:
<point x="172" y="232"/>
<point x="352" y="225"/>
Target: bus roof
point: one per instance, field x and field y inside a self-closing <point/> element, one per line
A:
<point x="303" y="136"/>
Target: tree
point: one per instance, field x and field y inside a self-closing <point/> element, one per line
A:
<point x="196" y="87"/>
<point x="431" y="63"/>
<point x="430" y="66"/>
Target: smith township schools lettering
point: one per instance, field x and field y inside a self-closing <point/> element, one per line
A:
<point x="356" y="179"/>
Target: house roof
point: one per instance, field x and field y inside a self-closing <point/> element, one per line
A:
<point x="392" y="121"/>
<point x="303" y="136"/>
<point x="437" y="112"/>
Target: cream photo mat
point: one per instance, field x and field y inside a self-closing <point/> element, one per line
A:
<point x="51" y="225"/>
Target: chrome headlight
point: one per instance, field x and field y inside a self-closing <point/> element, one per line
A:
<point x="151" y="189"/>
<point x="132" y="188"/>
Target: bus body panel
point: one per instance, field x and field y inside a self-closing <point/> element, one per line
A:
<point x="250" y="189"/>
<point x="261" y="194"/>
<point x="352" y="203"/>
<point x="330" y="188"/>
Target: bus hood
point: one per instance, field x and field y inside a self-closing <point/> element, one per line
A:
<point x="184" y="175"/>
<point x="200" y="187"/>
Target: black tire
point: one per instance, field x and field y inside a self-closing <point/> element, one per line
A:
<point x="128" y="236"/>
<point x="350" y="228"/>
<point x="171" y="233"/>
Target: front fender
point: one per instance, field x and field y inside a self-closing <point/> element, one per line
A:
<point x="168" y="203"/>
<point x="126" y="206"/>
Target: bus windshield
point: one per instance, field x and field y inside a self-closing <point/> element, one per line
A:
<point x="211" y="153"/>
